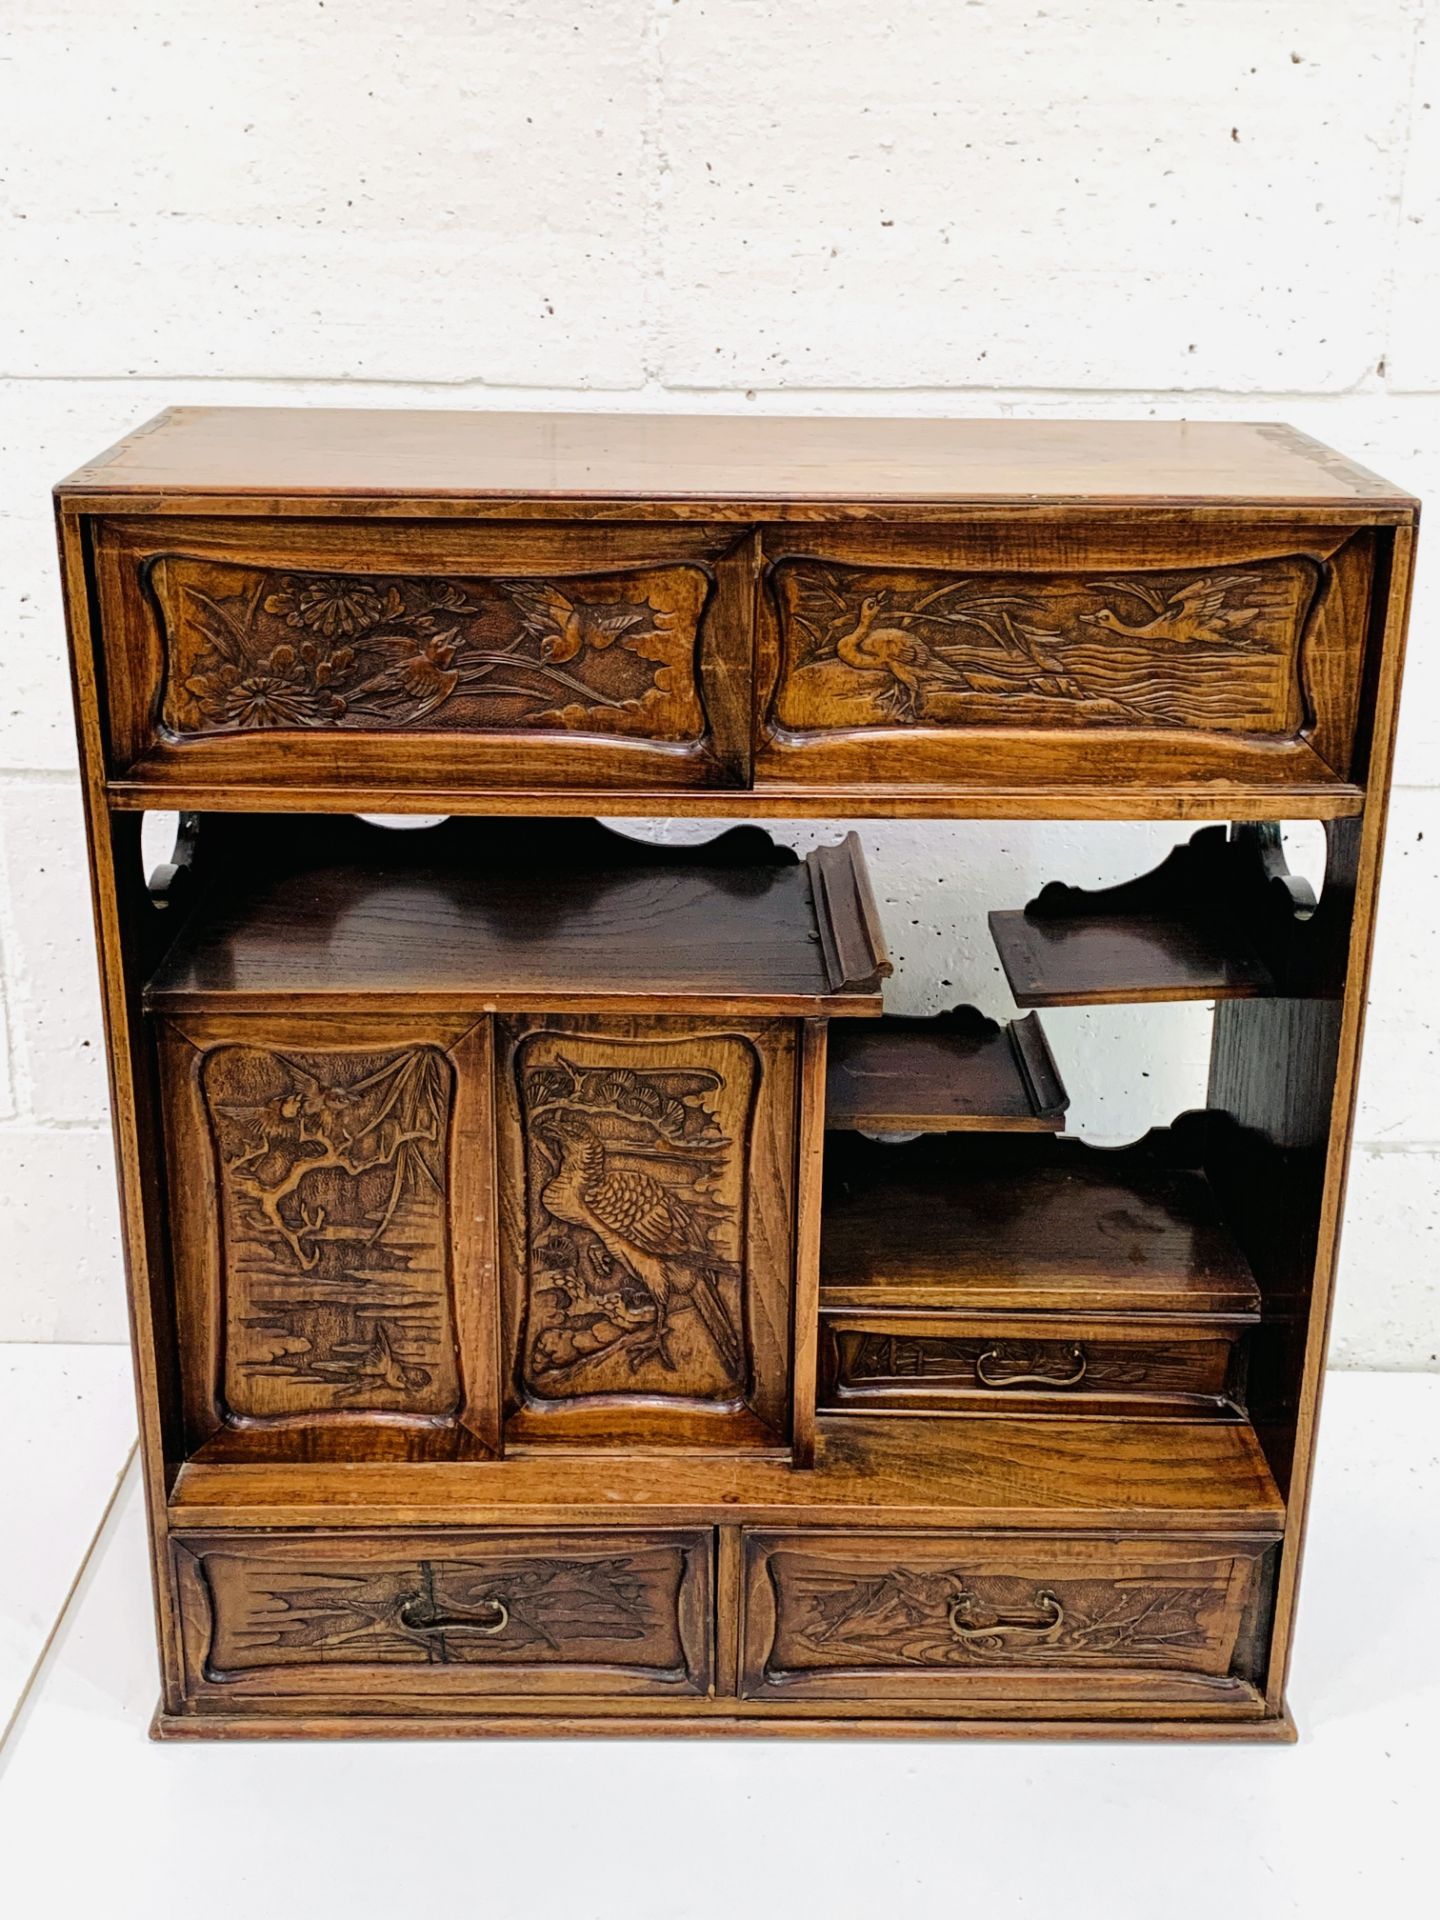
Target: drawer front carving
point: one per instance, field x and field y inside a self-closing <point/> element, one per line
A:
<point x="648" y="1248"/>
<point x="1088" y="652"/>
<point x="943" y="1617"/>
<point x="250" y="649"/>
<point x="304" y="654"/>
<point x="329" y="1225"/>
<point x="1214" y="648"/>
<point x="447" y="1612"/>
<point x="953" y="1364"/>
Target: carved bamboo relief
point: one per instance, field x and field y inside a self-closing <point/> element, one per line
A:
<point x="1217" y="649"/>
<point x="333" y="1175"/>
<point x="833" y="1617"/>
<point x="444" y="1610"/>
<point x="258" y="650"/>
<point x="636" y="1157"/>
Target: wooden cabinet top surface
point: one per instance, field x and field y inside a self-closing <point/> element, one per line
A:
<point x="669" y="460"/>
<point x="602" y="613"/>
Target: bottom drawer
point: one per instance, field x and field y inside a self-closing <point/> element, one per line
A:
<point x="954" y="1363"/>
<point x="445" y="1612"/>
<point x="935" y="1618"/>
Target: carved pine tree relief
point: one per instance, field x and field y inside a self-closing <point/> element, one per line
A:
<point x="252" y="650"/>
<point x="636" y="1157"/>
<point x="1217" y="649"/>
<point x="335" y="1248"/>
<point x="446" y="1611"/>
<point x="949" y="1617"/>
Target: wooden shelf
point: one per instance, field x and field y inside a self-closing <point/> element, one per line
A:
<point x="1207" y="924"/>
<point x="562" y="915"/>
<point x="1094" y="960"/>
<point x="1146" y="1475"/>
<point x="613" y="1430"/>
<point x="1026" y="1224"/>
<point x="958" y="1072"/>
<point x="154" y="783"/>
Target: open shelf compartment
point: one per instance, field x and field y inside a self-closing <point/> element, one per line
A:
<point x="477" y="917"/>
<point x="1027" y="1225"/>
<point x="1215" y="921"/>
<point x="957" y="1072"/>
<point x="1030" y="1276"/>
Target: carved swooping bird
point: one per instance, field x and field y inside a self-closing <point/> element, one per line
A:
<point x="565" y="626"/>
<point x="643" y="1226"/>
<point x="1200" y="611"/>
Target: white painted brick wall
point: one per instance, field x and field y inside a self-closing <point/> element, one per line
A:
<point x="1226" y="208"/>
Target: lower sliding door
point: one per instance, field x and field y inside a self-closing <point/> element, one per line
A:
<point x="646" y="1171"/>
<point x="331" y="1232"/>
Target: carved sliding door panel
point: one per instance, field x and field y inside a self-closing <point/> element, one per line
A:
<point x="319" y="1271"/>
<point x="644" y="1194"/>
<point x="924" y="1616"/>
<point x="250" y="649"/>
<point x="636" y="1170"/>
<point x="424" y="656"/>
<point x="1197" y="658"/>
<point x="1213" y="648"/>
<point x="446" y="1612"/>
<point x="333" y="1171"/>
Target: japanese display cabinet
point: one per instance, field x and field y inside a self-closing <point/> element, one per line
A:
<point x="563" y="1298"/>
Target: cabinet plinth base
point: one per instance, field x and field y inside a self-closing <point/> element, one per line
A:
<point x="1270" y="1729"/>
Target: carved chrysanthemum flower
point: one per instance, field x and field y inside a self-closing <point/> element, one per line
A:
<point x="334" y="608"/>
<point x="272" y="693"/>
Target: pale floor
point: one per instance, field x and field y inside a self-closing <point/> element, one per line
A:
<point x="96" y="1820"/>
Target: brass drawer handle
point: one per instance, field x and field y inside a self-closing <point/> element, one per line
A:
<point x="988" y="1636"/>
<point x="419" y="1614"/>
<point x="992" y="1356"/>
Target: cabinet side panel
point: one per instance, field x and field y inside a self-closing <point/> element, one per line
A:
<point x="1283" y="1079"/>
<point x="125" y="939"/>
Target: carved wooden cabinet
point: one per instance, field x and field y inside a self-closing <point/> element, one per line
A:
<point x="546" y="1316"/>
<point x="410" y="1215"/>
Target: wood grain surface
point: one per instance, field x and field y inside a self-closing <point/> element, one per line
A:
<point x="1026" y="1222"/>
<point x="516" y="1350"/>
<point x="652" y="458"/>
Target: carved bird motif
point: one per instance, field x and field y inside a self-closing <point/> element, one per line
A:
<point x="356" y="1367"/>
<point x="1200" y="611"/>
<point x="892" y="650"/>
<point x="565" y="626"/>
<point x="307" y="1110"/>
<point x="260" y="1129"/>
<point x="644" y="1227"/>
<point x="425" y="672"/>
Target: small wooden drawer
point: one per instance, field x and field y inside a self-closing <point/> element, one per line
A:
<point x="955" y="1618"/>
<point x="445" y="1613"/>
<point x="957" y="1363"/>
<point x="1087" y="651"/>
<point x="310" y="654"/>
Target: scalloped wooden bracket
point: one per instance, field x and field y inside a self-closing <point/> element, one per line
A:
<point x="1220" y="918"/>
